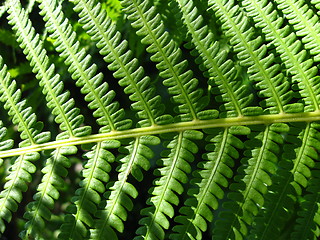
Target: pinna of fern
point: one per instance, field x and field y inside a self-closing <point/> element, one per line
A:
<point x="224" y="79"/>
<point x="263" y="71"/>
<point x="251" y="182"/>
<point x="144" y="99"/>
<point x="119" y="193"/>
<point x="167" y="55"/>
<point x="305" y="23"/>
<point x="172" y="69"/>
<point x="20" y="172"/>
<point x="82" y="69"/>
<point x="291" y="179"/>
<point x="66" y="115"/>
<point x="309" y="214"/>
<point x="121" y="61"/>
<point x="84" y="208"/>
<point x="290" y="50"/>
<point x="222" y="152"/>
<point x="147" y="105"/>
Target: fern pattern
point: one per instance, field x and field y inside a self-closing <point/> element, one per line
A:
<point x="118" y="123"/>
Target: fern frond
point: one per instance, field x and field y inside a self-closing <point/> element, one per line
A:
<point x="21" y="170"/>
<point x="290" y="49"/>
<point x="81" y="69"/>
<point x="16" y="182"/>
<point x="221" y="72"/>
<point x="87" y="197"/>
<point x="305" y="23"/>
<point x="247" y="194"/>
<point x="247" y="171"/>
<point x="100" y="27"/>
<point x="21" y="114"/>
<point x="173" y="174"/>
<point x="289" y="181"/>
<point x="4" y="144"/>
<point x="38" y="211"/>
<point x="179" y="81"/>
<point x="119" y="193"/>
<point x="308" y="224"/>
<point x="67" y="116"/>
<point x="209" y="180"/>
<point x="273" y="87"/>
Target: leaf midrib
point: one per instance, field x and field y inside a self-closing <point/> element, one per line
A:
<point x="174" y="127"/>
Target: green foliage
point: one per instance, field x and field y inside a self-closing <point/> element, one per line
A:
<point x="147" y="119"/>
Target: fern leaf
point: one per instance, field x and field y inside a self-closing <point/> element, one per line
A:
<point x="16" y="183"/>
<point x="307" y="223"/>
<point x="247" y="194"/>
<point x="109" y="115"/>
<point x="305" y="22"/>
<point x="165" y="52"/>
<point x="47" y="192"/>
<point x="273" y="86"/>
<point x="290" y="49"/>
<point x="221" y="72"/>
<point x="120" y="59"/>
<point x="67" y="116"/>
<point x="172" y="175"/>
<point x="289" y="181"/>
<point x="258" y="173"/>
<point x="21" y="114"/>
<point x="119" y="193"/>
<point x="95" y="173"/>
<point x="209" y="181"/>
<point x="21" y="170"/>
